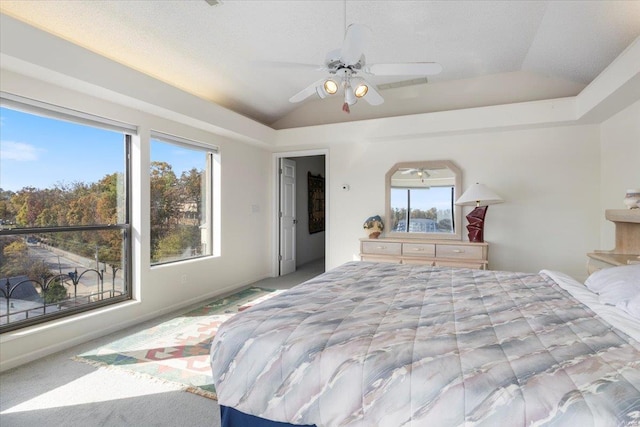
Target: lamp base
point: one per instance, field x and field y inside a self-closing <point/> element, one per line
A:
<point x="476" y="224"/>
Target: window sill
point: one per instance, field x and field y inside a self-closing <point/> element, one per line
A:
<point x="53" y="324"/>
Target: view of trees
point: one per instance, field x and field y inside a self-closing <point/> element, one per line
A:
<point x="14" y="260"/>
<point x="175" y="219"/>
<point x="176" y="211"/>
<point x="444" y="225"/>
<point x="68" y="205"/>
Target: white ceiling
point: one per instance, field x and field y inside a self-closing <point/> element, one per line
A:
<point x="492" y="52"/>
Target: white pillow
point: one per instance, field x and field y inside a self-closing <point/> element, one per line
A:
<point x="632" y="306"/>
<point x="616" y="285"/>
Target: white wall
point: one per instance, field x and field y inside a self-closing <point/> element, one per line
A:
<point x="549" y="179"/>
<point x="620" y="165"/>
<point x="309" y="247"/>
<point x="245" y="234"/>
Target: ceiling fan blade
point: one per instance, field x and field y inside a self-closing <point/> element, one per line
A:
<point x="306" y="92"/>
<point x="354" y="43"/>
<point x="405" y="69"/>
<point x="290" y="65"/>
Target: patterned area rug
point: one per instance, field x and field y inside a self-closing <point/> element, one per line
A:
<point x="177" y="351"/>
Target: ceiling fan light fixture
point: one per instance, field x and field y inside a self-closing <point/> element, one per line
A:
<point x="330" y="86"/>
<point x="361" y="90"/>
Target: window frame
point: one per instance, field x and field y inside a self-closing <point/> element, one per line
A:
<point x="39" y="108"/>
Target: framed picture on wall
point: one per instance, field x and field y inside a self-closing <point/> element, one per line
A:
<point x="315" y="186"/>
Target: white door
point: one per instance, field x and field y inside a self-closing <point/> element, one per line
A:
<point x="287" y="216"/>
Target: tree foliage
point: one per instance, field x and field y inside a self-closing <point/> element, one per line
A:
<point x="444" y="225"/>
<point x="15" y="261"/>
<point x="56" y="292"/>
<point x="175" y="212"/>
<point x="175" y="216"/>
<point x="71" y="205"/>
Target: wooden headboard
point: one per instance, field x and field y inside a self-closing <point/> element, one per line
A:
<point x="627" y="250"/>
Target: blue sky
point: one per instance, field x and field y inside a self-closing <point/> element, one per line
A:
<point x="438" y="197"/>
<point x="41" y="152"/>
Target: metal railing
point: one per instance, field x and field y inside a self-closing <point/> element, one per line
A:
<point x="64" y="283"/>
<point x="41" y="306"/>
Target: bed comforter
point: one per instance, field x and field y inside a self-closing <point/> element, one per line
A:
<point x="374" y="344"/>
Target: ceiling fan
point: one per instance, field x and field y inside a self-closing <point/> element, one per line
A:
<point x="420" y="173"/>
<point x="345" y="66"/>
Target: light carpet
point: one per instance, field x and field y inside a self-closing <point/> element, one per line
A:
<point x="177" y="351"/>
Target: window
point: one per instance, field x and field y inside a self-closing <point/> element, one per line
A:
<point x="181" y="183"/>
<point x="420" y="210"/>
<point x="64" y="219"/>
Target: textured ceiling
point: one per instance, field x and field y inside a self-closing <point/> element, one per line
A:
<point x="492" y="52"/>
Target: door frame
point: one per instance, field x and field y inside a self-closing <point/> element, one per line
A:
<point x="275" y="241"/>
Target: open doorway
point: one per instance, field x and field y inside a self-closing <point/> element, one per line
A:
<point x="301" y="195"/>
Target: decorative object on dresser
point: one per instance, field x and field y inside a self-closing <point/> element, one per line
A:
<point x="480" y="196"/>
<point x="440" y="253"/>
<point x="632" y="198"/>
<point x="374" y="226"/>
<point x="627" y="250"/>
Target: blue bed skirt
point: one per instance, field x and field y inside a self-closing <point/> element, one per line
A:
<point x="233" y="418"/>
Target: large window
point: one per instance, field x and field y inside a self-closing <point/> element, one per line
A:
<point x="64" y="219"/>
<point x="181" y="183"/>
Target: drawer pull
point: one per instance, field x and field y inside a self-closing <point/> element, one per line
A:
<point x="418" y="249"/>
<point x="457" y="251"/>
<point x="381" y="247"/>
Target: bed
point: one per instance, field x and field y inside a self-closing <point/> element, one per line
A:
<point x="377" y="344"/>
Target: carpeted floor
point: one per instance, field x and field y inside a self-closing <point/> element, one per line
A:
<point x="177" y="351"/>
<point x="58" y="391"/>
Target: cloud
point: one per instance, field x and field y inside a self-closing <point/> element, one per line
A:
<point x="18" y="151"/>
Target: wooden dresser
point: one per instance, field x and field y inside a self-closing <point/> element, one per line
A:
<point x="429" y="252"/>
<point x="627" y="250"/>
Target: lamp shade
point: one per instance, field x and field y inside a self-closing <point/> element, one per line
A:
<point x="478" y="195"/>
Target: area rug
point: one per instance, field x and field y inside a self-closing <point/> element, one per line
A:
<point x="177" y="350"/>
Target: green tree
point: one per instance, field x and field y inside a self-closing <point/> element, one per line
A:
<point x="7" y="212"/>
<point x="56" y="292"/>
<point x="191" y="184"/>
<point x="14" y="254"/>
<point x="174" y="244"/>
<point x="28" y="203"/>
<point x="165" y="203"/>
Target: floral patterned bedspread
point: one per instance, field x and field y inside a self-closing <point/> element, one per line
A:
<point x="375" y="344"/>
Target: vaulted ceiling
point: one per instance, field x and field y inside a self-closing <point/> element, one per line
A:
<point x="492" y="52"/>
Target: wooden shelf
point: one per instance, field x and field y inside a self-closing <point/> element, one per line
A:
<point x="627" y="250"/>
<point x="615" y="259"/>
<point x="623" y="215"/>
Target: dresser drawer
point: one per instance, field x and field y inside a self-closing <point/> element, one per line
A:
<point x="419" y="249"/>
<point x="459" y="251"/>
<point x="382" y="248"/>
<point x="426" y="252"/>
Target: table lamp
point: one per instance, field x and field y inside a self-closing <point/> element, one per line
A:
<point x="481" y="197"/>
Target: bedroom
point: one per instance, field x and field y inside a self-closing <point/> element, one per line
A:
<point x="557" y="163"/>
